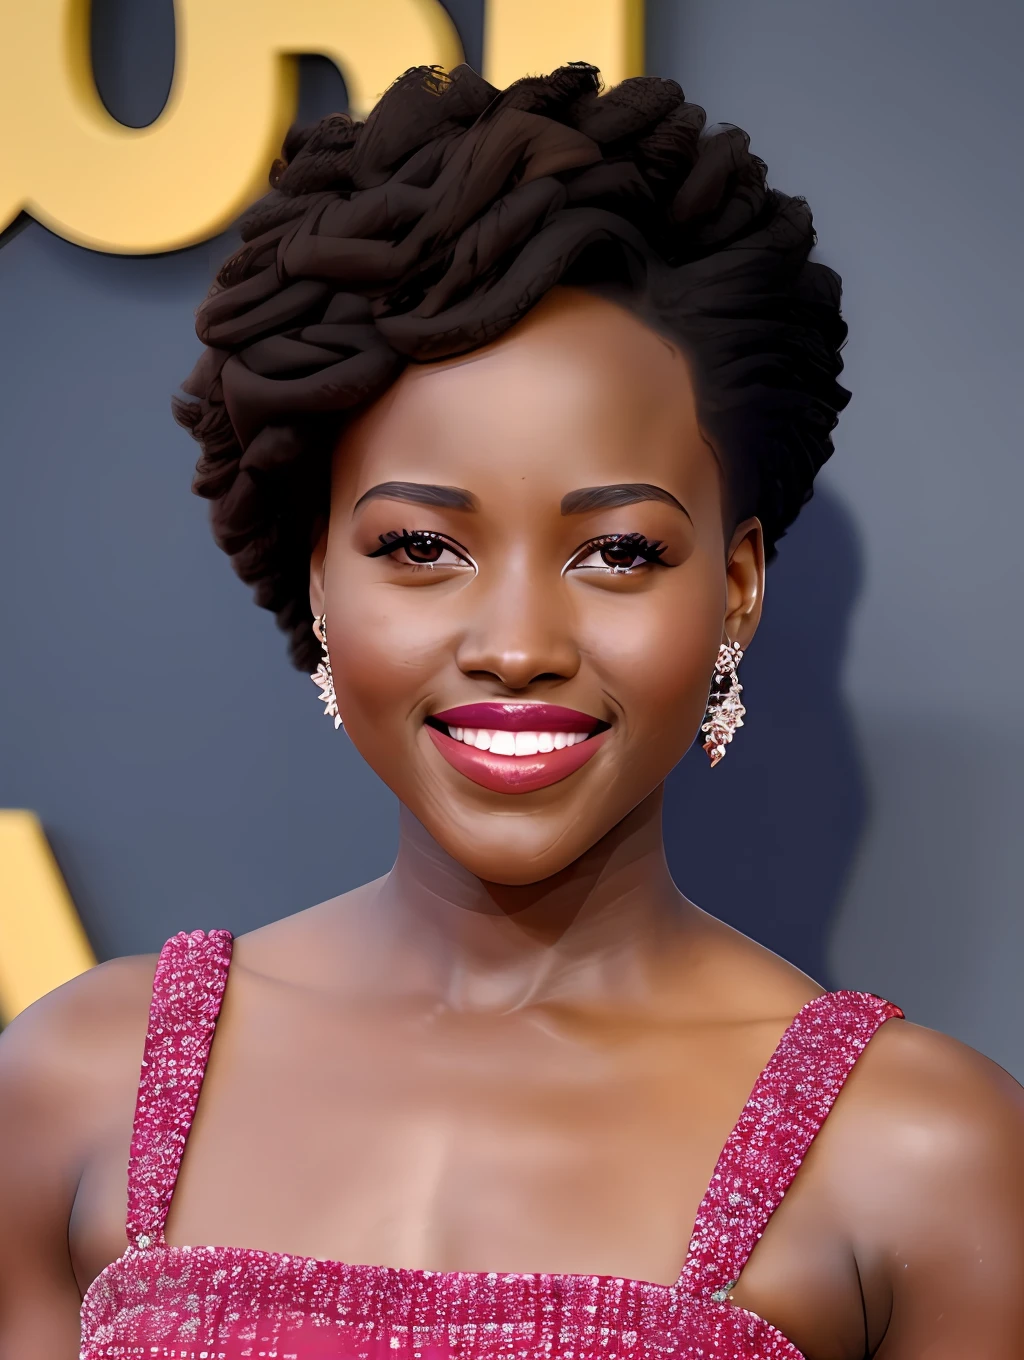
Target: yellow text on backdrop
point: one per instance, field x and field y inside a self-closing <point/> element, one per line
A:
<point x="184" y="178"/>
<point x="42" y="943"/>
<point x="146" y="190"/>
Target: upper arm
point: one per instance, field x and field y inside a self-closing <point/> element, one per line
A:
<point x="56" y="1064"/>
<point x="38" y="1294"/>
<point x="949" y="1202"/>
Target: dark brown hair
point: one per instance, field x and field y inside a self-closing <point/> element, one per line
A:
<point x="431" y="228"/>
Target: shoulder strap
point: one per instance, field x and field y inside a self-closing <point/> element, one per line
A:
<point x="187" y="991"/>
<point x="788" y="1105"/>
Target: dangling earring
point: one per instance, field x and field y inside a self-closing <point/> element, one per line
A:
<point x="725" y="708"/>
<point x="323" y="675"/>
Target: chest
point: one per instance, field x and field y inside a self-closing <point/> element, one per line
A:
<point x="449" y="1142"/>
<point x="444" y="1143"/>
<point x="458" y="1143"/>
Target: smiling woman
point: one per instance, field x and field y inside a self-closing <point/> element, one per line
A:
<point x="506" y="399"/>
<point x="572" y="548"/>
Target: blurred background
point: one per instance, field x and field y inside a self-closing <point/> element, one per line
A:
<point x="866" y="823"/>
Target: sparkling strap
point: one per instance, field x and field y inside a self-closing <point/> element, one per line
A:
<point x="187" y="991"/>
<point x="788" y="1105"/>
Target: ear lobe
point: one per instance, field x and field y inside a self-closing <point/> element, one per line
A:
<point x="745" y="583"/>
<point x="317" y="568"/>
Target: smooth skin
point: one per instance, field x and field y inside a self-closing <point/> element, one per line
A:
<point x="523" y="1048"/>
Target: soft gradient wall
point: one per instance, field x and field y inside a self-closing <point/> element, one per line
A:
<point x="865" y="823"/>
<point x="903" y="124"/>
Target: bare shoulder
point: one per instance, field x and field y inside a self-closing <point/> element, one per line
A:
<point x="62" y="1055"/>
<point x="925" y="1144"/>
<point x="105" y="996"/>
<point x="68" y="1066"/>
<point x="919" y="1170"/>
<point x="910" y="1074"/>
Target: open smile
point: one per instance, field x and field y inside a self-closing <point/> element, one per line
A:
<point x="515" y="748"/>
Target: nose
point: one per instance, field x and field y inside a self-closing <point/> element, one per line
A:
<point x="522" y="629"/>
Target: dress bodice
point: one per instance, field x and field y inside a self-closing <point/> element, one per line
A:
<point x="223" y="1303"/>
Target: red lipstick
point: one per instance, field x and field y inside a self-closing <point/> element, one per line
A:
<point x="515" y="747"/>
<point x="520" y="718"/>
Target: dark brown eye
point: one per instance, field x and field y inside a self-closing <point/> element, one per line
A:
<point x="422" y="549"/>
<point x="618" y="554"/>
<point x="412" y="548"/>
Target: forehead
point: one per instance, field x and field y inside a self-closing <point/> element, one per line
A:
<point x="579" y="392"/>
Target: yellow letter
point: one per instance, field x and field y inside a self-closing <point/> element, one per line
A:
<point x="187" y="176"/>
<point x="42" y="943"/>
<point x="532" y="37"/>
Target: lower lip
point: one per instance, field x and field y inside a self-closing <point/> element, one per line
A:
<point x="514" y="774"/>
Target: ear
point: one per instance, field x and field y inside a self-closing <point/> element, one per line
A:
<point x="745" y="578"/>
<point x="317" y="569"/>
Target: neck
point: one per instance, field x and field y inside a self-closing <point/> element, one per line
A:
<point x="596" y="930"/>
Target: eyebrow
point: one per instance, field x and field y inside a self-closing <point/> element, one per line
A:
<point x="589" y="498"/>
<point x="419" y="493"/>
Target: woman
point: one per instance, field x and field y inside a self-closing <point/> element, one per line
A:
<point x="506" y="399"/>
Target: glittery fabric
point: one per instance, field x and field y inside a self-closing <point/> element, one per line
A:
<point x="787" y="1107"/>
<point x="226" y="1303"/>
<point x="187" y="991"/>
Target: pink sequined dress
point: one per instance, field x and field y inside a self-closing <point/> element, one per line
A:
<point x="221" y="1303"/>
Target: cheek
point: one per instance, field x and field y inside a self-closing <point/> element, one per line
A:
<point x="384" y="651"/>
<point x="656" y="652"/>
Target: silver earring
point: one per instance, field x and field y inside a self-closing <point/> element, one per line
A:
<point x="725" y="708"/>
<point x="323" y="675"/>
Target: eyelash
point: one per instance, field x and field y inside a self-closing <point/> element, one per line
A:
<point x="652" y="551"/>
<point x="637" y="544"/>
<point x="406" y="538"/>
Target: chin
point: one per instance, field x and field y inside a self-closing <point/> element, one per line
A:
<point x="495" y="864"/>
<point x="514" y="849"/>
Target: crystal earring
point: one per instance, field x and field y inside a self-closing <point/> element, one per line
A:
<point x="323" y="675"/>
<point x="725" y="708"/>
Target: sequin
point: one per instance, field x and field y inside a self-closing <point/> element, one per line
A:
<point x="158" y="1302"/>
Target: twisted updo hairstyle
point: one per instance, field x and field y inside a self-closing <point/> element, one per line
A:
<point x="435" y="225"/>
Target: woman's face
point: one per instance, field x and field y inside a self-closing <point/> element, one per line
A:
<point x="526" y="581"/>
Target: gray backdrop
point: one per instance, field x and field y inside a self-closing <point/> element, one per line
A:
<point x="184" y="772"/>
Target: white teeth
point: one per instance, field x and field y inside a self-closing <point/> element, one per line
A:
<point x="504" y="743"/>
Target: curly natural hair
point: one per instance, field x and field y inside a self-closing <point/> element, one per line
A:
<point x="432" y="228"/>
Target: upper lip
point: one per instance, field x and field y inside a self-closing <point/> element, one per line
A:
<point x="519" y="717"/>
